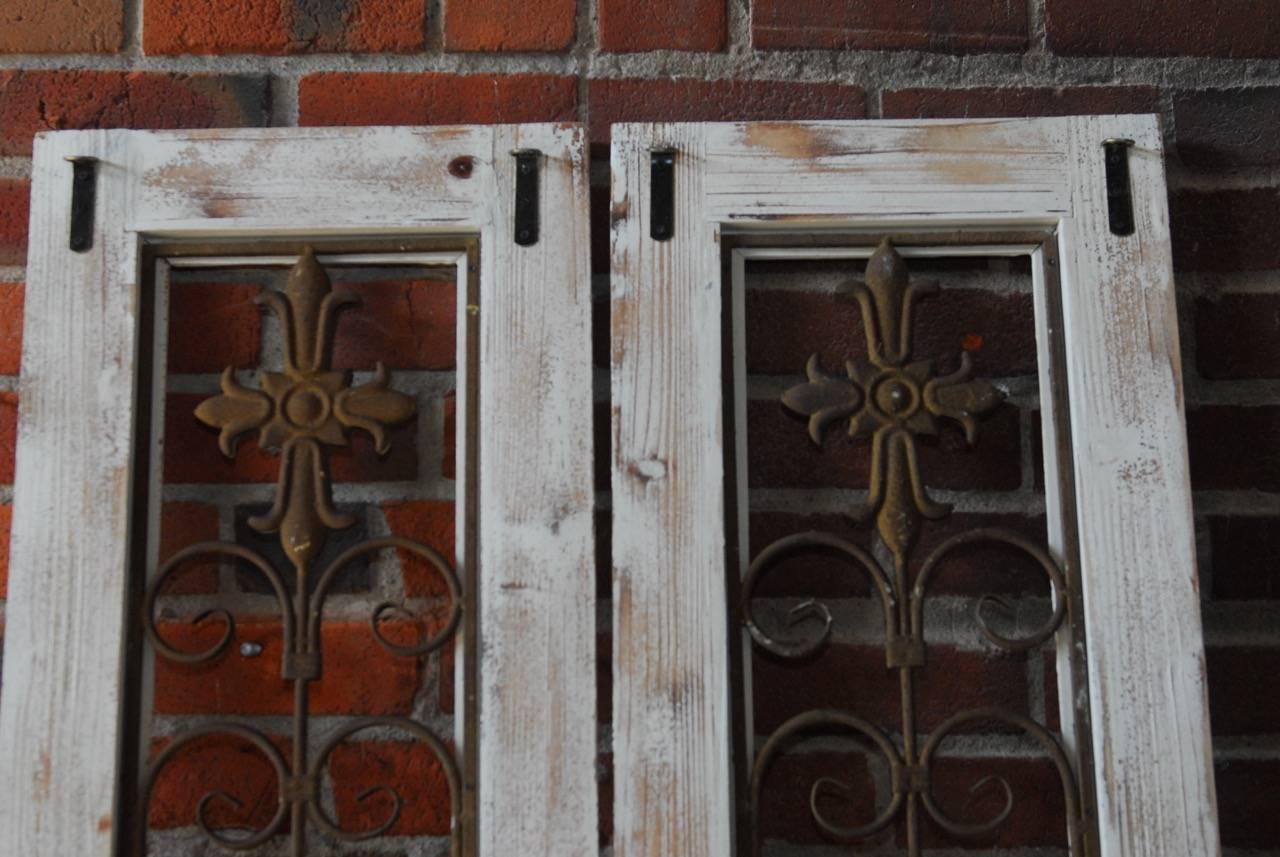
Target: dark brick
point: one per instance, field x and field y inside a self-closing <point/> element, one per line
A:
<point x="1234" y="447"/>
<point x="1038" y="819"/>
<point x="855" y="678"/>
<point x="1246" y="558"/>
<point x="780" y="454"/>
<point x="405" y="324"/>
<point x="784" y="327"/>
<point x="11" y="304"/>
<point x="1215" y="28"/>
<point x="35" y="101"/>
<point x="655" y="25"/>
<point x="434" y="98"/>
<point x="1239" y="703"/>
<point x="941" y="25"/>
<point x="15" y="200"/>
<point x="183" y="524"/>
<point x="787" y="783"/>
<point x="354" y="577"/>
<point x="410" y="768"/>
<point x="1225" y="230"/>
<point x="1246" y="801"/>
<point x="697" y="100"/>
<point x="1238" y="336"/>
<point x="212" y="326"/>
<point x="1225" y="128"/>
<point x="1019" y="101"/>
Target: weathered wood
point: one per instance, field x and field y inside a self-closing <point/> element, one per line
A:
<point x="59" y="714"/>
<point x="1145" y="652"/>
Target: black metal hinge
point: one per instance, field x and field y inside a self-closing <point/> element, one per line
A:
<point x="662" y="204"/>
<point x="527" y="163"/>
<point x="84" y="184"/>
<point x="1119" y="191"/>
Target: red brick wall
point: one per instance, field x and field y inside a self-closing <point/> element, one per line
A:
<point x="1211" y="68"/>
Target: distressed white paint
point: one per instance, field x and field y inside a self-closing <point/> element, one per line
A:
<point x="59" y="715"/>
<point x="1145" y="653"/>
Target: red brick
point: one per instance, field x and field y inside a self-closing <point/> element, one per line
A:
<point x="405" y="324"/>
<point x="1238" y="336"/>
<point x="1244" y="552"/>
<point x="1234" y="447"/>
<point x="1039" y="813"/>
<point x="11" y="303"/>
<point x="35" y="101"/>
<point x="780" y="454"/>
<point x="784" y="327"/>
<point x="434" y="98"/>
<point x="1011" y="101"/>
<point x="449" y="452"/>
<point x="1225" y="128"/>
<point x="360" y="677"/>
<point x="183" y="524"/>
<point x="15" y="199"/>
<point x="411" y="769"/>
<point x="1247" y="816"/>
<point x="212" y="326"/>
<point x="212" y="763"/>
<point x="61" y="26"/>
<point x="6" y="524"/>
<point x="1225" y="230"/>
<point x="789" y="779"/>
<point x="855" y="679"/>
<point x="1239" y="677"/>
<point x="191" y="452"/>
<point x="1217" y="28"/>
<point x="509" y="25"/>
<point x="673" y="25"/>
<point x="697" y="100"/>
<point x="942" y="25"/>
<point x="432" y="523"/>
<point x="8" y="435"/>
<point x="282" y="26"/>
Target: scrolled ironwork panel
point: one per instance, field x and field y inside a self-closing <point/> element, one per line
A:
<point x="302" y="413"/>
<point x="890" y="399"/>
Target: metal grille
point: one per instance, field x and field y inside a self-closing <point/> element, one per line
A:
<point x="889" y="399"/>
<point x="302" y="412"/>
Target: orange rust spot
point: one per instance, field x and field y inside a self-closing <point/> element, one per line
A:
<point x="971" y="342"/>
<point x="104" y="824"/>
<point x="44" y="778"/>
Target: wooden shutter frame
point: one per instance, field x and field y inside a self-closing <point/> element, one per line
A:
<point x="1150" y="730"/>
<point x="60" y="716"/>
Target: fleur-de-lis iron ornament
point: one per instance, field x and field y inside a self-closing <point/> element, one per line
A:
<point x="892" y="398"/>
<point x="302" y="412"/>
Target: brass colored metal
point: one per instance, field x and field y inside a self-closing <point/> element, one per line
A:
<point x="303" y="412"/>
<point x="892" y="398"/>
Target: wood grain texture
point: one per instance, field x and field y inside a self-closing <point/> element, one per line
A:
<point x="1142" y="609"/>
<point x="537" y="560"/>
<point x="671" y="682"/>
<point x="66" y="609"/>
<point x="59" y="715"/>
<point x="1145" y="651"/>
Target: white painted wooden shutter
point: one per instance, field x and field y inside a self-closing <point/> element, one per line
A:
<point x="1145" y="661"/>
<point x="67" y="608"/>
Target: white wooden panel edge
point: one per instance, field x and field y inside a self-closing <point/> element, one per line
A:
<point x="59" y="717"/>
<point x="1145" y="653"/>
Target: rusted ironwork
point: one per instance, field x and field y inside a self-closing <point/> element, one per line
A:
<point x="302" y="412"/>
<point x="891" y="398"/>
